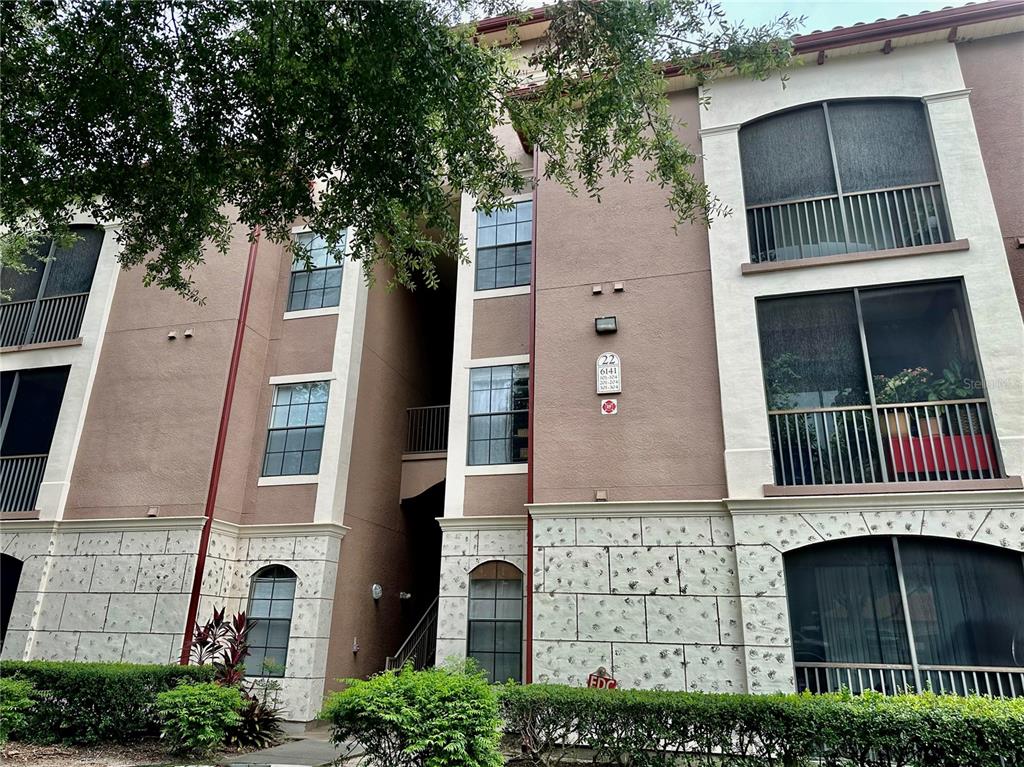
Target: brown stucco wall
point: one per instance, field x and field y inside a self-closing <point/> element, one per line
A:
<point x="501" y="326"/>
<point x="666" y="442"/>
<point x="993" y="69"/>
<point x="501" y="494"/>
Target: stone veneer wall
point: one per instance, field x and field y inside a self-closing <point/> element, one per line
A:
<point x="118" y="590"/>
<point x="697" y="601"/>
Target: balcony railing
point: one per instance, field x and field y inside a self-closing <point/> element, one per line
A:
<point x="900" y="217"/>
<point x="913" y="442"/>
<point x="57" y="318"/>
<point x="427" y="429"/>
<point x="895" y="678"/>
<point x="20" y="478"/>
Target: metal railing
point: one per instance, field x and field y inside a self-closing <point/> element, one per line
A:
<point x="421" y="644"/>
<point x="57" y="318"/>
<point x="899" y="217"/>
<point x="427" y="429"/>
<point x="20" y="478"/>
<point x="912" y="442"/>
<point x="895" y="678"/>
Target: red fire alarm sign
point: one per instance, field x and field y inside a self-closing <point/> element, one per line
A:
<point x="609" y="406"/>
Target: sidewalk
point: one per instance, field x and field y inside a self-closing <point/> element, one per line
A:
<point x="312" y="748"/>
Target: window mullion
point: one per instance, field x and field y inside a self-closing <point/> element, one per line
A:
<point x="9" y="407"/>
<point x="875" y="415"/>
<point x="835" y="170"/>
<point x="906" y="614"/>
<point x="30" y="329"/>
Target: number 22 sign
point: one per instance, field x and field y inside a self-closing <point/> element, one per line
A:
<point x="609" y="373"/>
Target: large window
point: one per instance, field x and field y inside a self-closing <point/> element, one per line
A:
<point x="504" y="244"/>
<point x="271" y="599"/>
<point x="909" y="608"/>
<point x="871" y="385"/>
<point x="498" y="404"/>
<point x="319" y="285"/>
<point x="841" y="177"/>
<point x="296" y="433"/>
<point x="496" y="620"/>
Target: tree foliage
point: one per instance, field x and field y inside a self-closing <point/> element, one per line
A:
<point x="178" y="119"/>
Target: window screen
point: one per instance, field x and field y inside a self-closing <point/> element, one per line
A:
<point x="504" y="247"/>
<point x="72" y="268"/>
<point x="18" y="286"/>
<point x="271" y="600"/>
<point x="319" y="286"/>
<point x="496" y="620"/>
<point x="296" y="432"/>
<point x="498" y="414"/>
<point x="34" y="398"/>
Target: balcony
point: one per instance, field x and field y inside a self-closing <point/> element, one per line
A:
<point x="427" y="429"/>
<point x="40" y="321"/>
<point x="425" y="460"/>
<point x="20" y="478"/>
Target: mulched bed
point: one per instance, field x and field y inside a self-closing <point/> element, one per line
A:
<point x="146" y="752"/>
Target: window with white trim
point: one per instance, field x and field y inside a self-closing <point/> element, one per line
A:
<point x="320" y="285"/>
<point x="498" y="413"/>
<point x="504" y="246"/>
<point x="271" y="600"/>
<point x="496" y="620"/>
<point x="296" y="433"/>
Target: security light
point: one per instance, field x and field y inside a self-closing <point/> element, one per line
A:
<point x="605" y="325"/>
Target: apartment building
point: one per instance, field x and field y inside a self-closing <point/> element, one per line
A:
<point x="783" y="453"/>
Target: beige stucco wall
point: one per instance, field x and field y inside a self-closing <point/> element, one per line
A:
<point x="501" y="326"/>
<point x="666" y="441"/>
<point x="489" y="495"/>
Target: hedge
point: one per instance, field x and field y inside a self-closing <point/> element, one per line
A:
<point x="548" y="723"/>
<point x="86" y="703"/>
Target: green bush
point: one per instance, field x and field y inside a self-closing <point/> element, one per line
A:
<point x="86" y="703"/>
<point x="195" y="717"/>
<point x="15" y="700"/>
<point x="645" y="728"/>
<point x="440" y="717"/>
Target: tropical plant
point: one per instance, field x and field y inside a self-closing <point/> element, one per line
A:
<point x="195" y="718"/>
<point x="224" y="644"/>
<point x="956" y="382"/>
<point x="15" y="701"/>
<point x="259" y="724"/>
<point x="782" y="380"/>
<point x="908" y="385"/>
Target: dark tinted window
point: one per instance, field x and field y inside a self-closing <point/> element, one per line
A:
<point x="72" y="268"/>
<point x="34" y="411"/>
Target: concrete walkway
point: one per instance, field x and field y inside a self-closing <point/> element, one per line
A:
<point x="311" y="749"/>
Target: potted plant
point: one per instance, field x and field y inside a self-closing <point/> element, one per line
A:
<point x="908" y="385"/>
<point x="955" y="383"/>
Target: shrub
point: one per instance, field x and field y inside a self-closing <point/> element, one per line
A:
<point x="15" y="700"/>
<point x="259" y="723"/>
<point x="196" y="717"/>
<point x="440" y="717"/>
<point x="224" y="644"/>
<point x="86" y="703"/>
<point x="643" y="728"/>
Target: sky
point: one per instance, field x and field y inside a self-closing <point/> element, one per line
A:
<point x="826" y="15"/>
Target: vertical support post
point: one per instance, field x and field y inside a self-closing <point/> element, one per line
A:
<point x="906" y="614"/>
<point x="871" y="386"/>
<point x="835" y="170"/>
<point x="30" y="328"/>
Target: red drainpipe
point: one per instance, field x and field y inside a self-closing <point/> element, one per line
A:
<point x="529" y="424"/>
<point x="218" y="451"/>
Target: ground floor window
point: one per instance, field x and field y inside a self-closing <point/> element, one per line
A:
<point x="496" y="620"/>
<point x="907" y="612"/>
<point x="271" y="600"/>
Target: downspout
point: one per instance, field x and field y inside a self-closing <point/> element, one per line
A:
<point x="529" y="424"/>
<point x="218" y="451"/>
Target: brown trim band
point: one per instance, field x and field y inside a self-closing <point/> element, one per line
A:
<point x="847" y="258"/>
<point x="938" y="486"/>
<point x="41" y="345"/>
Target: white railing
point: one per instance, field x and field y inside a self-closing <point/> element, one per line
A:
<point x="912" y="442"/>
<point x="427" y="429"/>
<point x="896" y="678"/>
<point x="20" y="478"/>
<point x="899" y="217"/>
<point x="421" y="644"/>
<point x="56" y="318"/>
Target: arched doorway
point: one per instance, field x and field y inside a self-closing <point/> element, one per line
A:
<point x="907" y="613"/>
<point x="10" y="574"/>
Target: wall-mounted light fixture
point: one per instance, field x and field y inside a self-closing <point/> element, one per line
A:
<point x="605" y="325"/>
<point x="376" y="591"/>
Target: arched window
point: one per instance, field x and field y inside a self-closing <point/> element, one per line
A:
<point x="496" y="620"/>
<point x="10" y="574"/>
<point x="271" y="599"/>
<point x="907" y="612"/>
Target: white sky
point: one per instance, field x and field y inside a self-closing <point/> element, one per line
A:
<point x="826" y="15"/>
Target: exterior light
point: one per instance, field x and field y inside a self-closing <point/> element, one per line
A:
<point x="605" y="325"/>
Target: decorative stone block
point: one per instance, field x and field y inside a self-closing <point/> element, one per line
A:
<point x="837" y="524"/>
<point x="608" y="531"/>
<point x="538" y="570"/>
<point x="682" y="619"/>
<point x="24" y="609"/>
<point x="953" y="523"/>
<point x="501" y="543"/>
<point x="317" y="547"/>
<point x="70" y="574"/>
<point x="650" y="666"/>
<point x="715" y="668"/>
<point x="161" y="572"/>
<point x="761" y="571"/>
<point x="307" y="657"/>
<point x="607" y="618"/>
<point x="25" y="545"/>
<point x="770" y="669"/>
<point x="115" y="573"/>
<point x="576" y="570"/>
<point x="170" y="613"/>
<point x="315" y="578"/>
<point x="569" y="662"/>
<point x="554" y="616"/>
<point x="15" y="643"/>
<point x="730" y="621"/>
<point x="53" y="645"/>
<point x="269" y="550"/>
<point x="92" y="544"/>
<point x="454" y="578"/>
<point x="183" y="541"/>
<point x="677" y="531"/>
<point x="223" y="546"/>
<point x="554" y="532"/>
<point x="721" y="531"/>
<point x="650" y="570"/>
<point x="85" y="612"/>
<point x="449" y="649"/>
<point x="130" y="612"/>
<point x="709" y="570"/>
<point x="458" y="543"/>
<point x="48" y="610"/>
<point x="146" y="542"/>
<point x="100" y="647"/>
<point x="213" y="577"/>
<point x="64" y="544"/>
<point x="901" y="522"/>
<point x="784" y="531"/>
<point x="765" y="621"/>
<point x="1003" y="527"/>
<point x="149" y="648"/>
<point x="311" y="617"/>
<point x="451" y="617"/>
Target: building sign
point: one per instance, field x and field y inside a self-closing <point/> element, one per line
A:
<point x="601" y="680"/>
<point x="609" y="406"/>
<point x="609" y="374"/>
